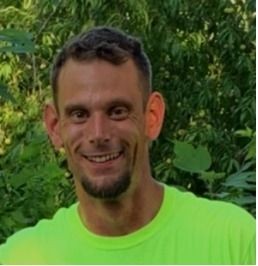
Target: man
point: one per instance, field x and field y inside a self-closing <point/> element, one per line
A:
<point x="105" y="115"/>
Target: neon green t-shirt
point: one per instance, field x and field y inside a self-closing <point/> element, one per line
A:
<point x="187" y="230"/>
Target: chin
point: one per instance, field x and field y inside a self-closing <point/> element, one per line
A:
<point x="106" y="190"/>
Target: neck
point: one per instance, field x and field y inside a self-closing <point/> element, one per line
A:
<point x="133" y="210"/>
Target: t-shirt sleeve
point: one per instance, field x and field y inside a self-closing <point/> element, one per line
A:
<point x="21" y="248"/>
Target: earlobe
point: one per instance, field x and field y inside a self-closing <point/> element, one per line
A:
<point x="155" y="112"/>
<point x="51" y="120"/>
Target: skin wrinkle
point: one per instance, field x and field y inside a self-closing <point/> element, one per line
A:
<point x="94" y="102"/>
<point x="141" y="84"/>
<point x="93" y="87"/>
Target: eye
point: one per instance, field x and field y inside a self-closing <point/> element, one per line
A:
<point x="119" y="113"/>
<point x="79" y="116"/>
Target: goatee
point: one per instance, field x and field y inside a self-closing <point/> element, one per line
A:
<point x="110" y="191"/>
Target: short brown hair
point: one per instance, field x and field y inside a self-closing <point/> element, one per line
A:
<point x="108" y="44"/>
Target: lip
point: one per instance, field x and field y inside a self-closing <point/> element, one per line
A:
<point x="106" y="163"/>
<point x="100" y="154"/>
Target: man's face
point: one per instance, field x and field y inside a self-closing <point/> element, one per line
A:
<point x="101" y="124"/>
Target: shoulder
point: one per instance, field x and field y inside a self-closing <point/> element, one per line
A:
<point x="200" y="205"/>
<point x="14" y="250"/>
<point x="211" y="213"/>
<point x="222" y="226"/>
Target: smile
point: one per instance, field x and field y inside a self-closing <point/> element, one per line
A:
<point x="104" y="158"/>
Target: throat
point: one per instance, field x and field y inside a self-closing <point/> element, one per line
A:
<point x="117" y="218"/>
<point x="111" y="219"/>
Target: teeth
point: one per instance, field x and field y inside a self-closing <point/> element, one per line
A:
<point x="104" y="158"/>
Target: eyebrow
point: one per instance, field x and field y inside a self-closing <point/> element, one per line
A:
<point x="120" y="102"/>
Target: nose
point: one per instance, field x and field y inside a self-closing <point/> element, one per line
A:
<point x="98" y="129"/>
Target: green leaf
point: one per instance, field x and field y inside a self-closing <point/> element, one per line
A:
<point x="14" y="34"/>
<point x="244" y="200"/>
<point x="211" y="176"/>
<point x="20" y="178"/>
<point x="52" y="171"/>
<point x="248" y="132"/>
<point x="240" y="180"/>
<point x="251" y="153"/>
<point x="20" y="41"/>
<point x="17" y="49"/>
<point x="190" y="159"/>
<point x="18" y="216"/>
<point x="30" y="151"/>
<point x="4" y="93"/>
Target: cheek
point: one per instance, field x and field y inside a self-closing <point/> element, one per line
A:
<point x="132" y="133"/>
<point x="71" y="135"/>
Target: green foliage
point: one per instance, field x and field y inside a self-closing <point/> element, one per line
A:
<point x="239" y="187"/>
<point x="4" y="93"/>
<point x="19" y="41"/>
<point x="190" y="159"/>
<point x="203" y="57"/>
<point x="33" y="181"/>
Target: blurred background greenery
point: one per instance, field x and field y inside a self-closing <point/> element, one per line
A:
<point x="203" y="57"/>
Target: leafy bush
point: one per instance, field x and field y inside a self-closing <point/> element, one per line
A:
<point x="203" y="57"/>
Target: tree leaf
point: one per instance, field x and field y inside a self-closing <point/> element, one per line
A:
<point x="5" y="94"/>
<point x="17" y="49"/>
<point x="190" y="159"/>
<point x="20" y="41"/>
<point x="244" y="200"/>
<point x="20" y="178"/>
<point x="211" y="176"/>
<point x="240" y="180"/>
<point x="14" y="34"/>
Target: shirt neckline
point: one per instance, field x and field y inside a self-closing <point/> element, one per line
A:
<point x="125" y="241"/>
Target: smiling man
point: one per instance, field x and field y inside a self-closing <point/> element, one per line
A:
<point x="105" y="115"/>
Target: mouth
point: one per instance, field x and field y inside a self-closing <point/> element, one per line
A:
<point x="103" y="158"/>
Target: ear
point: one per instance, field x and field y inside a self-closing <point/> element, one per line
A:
<point x="52" y="124"/>
<point x="154" y="116"/>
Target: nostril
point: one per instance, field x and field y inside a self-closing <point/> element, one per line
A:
<point x="99" y="140"/>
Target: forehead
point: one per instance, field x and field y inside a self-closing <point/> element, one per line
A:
<point x="97" y="81"/>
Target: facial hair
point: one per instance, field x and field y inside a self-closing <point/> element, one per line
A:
<point x="111" y="191"/>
